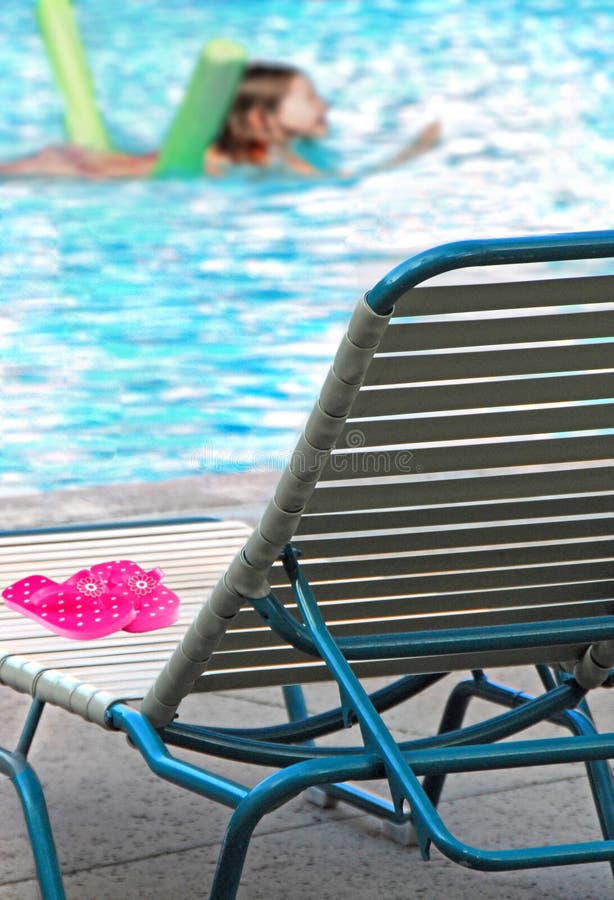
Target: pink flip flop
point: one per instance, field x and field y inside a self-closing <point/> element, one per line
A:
<point x="155" y="605"/>
<point x="82" y="607"/>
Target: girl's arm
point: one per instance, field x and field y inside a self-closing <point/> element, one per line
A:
<point x="297" y="164"/>
<point x="428" y="138"/>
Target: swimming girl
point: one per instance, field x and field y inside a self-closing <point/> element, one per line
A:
<point x="274" y="104"/>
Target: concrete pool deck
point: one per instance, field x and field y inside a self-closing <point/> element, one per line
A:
<point x="121" y="832"/>
<point x="240" y="495"/>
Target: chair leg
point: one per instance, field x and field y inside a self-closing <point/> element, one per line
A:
<point x="599" y="774"/>
<point x="30" y="792"/>
<point x="296" y="708"/>
<point x="268" y="795"/>
<point x="452" y="718"/>
<point x="579" y="721"/>
<point x="294" y="698"/>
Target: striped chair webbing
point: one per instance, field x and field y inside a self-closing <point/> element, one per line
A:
<point x="473" y="481"/>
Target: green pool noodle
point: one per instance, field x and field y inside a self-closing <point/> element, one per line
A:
<point x="60" y="34"/>
<point x="201" y="115"/>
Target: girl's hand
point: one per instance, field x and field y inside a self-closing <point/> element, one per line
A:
<point x="428" y="138"/>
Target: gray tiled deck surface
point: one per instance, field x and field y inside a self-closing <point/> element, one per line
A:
<point x="121" y="833"/>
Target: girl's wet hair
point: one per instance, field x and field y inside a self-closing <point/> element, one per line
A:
<point x="263" y="86"/>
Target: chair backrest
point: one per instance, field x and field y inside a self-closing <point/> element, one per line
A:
<point x="473" y="480"/>
<point x="471" y="443"/>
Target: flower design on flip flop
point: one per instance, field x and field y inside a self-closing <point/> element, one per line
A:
<point x="155" y="605"/>
<point x="141" y="584"/>
<point x="91" y="586"/>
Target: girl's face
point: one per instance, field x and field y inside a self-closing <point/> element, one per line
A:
<point x="301" y="111"/>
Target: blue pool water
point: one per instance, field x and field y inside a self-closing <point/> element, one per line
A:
<point x="155" y="330"/>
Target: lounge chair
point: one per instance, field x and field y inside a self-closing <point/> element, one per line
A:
<point x="446" y="509"/>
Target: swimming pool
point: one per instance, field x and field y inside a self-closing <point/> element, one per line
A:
<point x="154" y="330"/>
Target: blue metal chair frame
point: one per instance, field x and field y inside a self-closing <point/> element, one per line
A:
<point x="290" y="746"/>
